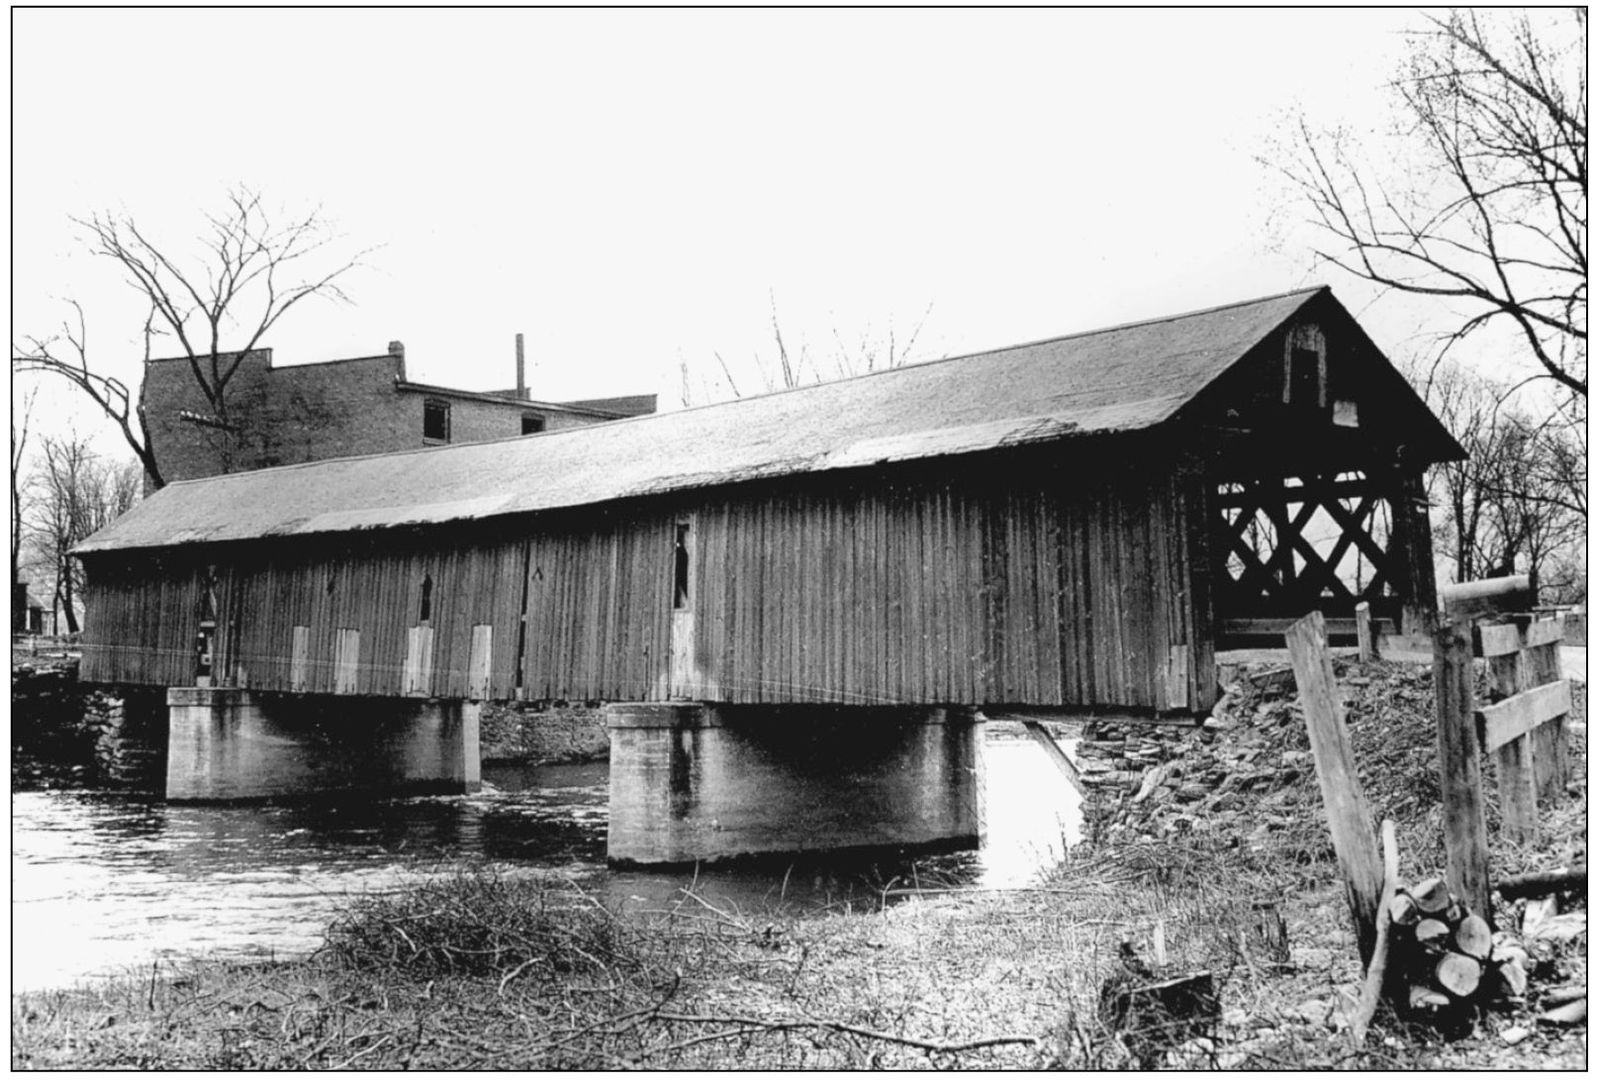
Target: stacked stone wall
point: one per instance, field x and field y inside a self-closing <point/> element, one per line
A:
<point x="544" y="732"/>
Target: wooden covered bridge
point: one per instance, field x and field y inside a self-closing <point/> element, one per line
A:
<point x="1075" y="524"/>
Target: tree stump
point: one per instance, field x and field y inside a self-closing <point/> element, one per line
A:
<point x="1153" y="1011"/>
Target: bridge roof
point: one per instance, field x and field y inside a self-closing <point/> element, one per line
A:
<point x="1112" y="380"/>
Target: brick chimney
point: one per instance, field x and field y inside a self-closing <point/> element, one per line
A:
<point x="397" y="349"/>
<point x="521" y="368"/>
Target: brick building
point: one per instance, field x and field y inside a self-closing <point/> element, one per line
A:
<point x="348" y="407"/>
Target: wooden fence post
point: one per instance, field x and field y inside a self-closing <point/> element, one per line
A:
<point x="1345" y="807"/>
<point x="1463" y="812"/>
<point x="1366" y="631"/>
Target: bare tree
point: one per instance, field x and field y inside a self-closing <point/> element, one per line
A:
<point x="1492" y="211"/>
<point x="67" y="354"/>
<point x="249" y="271"/>
<point x="76" y="492"/>
<point x="781" y="367"/>
<point x="1512" y="503"/>
<point x="19" y="444"/>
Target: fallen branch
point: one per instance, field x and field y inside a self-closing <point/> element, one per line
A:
<point x="1557" y="997"/>
<point x="616" y="1020"/>
<point x="775" y="1025"/>
<point x="1570" y="1014"/>
<point x="1375" y="975"/>
<point x="1559" y="880"/>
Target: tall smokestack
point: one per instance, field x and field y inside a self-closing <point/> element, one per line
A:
<point x="521" y="369"/>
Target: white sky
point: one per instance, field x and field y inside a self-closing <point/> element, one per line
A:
<point x="628" y="188"/>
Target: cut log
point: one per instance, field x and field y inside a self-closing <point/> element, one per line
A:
<point x="1431" y="896"/>
<point x="1405" y="914"/>
<point x="1538" y="912"/>
<point x="1497" y="595"/>
<point x="1474" y="937"/>
<point x="1558" y="930"/>
<point x="1432" y="932"/>
<point x="1511" y="952"/>
<point x="1421" y="998"/>
<point x="1512" y="981"/>
<point x="1458" y="974"/>
<point x="1560" y="880"/>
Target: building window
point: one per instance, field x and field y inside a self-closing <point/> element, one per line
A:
<point x="532" y="424"/>
<point x="1306" y="376"/>
<point x="681" y="597"/>
<point x="435" y="421"/>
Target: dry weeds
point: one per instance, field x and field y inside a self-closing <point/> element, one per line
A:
<point x="479" y="969"/>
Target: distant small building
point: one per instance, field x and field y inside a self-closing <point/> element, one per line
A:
<point x="27" y="613"/>
<point x="349" y="407"/>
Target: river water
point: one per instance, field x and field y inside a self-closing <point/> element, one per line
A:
<point x="105" y="882"/>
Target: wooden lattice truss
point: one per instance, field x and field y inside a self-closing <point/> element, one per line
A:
<point x="1295" y="544"/>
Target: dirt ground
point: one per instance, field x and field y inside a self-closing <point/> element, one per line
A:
<point x="1228" y="835"/>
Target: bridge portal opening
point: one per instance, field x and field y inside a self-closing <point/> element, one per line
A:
<point x="1285" y="546"/>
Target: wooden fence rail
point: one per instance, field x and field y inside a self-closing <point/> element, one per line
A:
<point x="1524" y="728"/>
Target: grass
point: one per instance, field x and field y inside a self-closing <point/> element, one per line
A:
<point x="481" y="968"/>
<point x="477" y="970"/>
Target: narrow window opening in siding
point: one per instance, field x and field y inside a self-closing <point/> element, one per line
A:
<point x="426" y="598"/>
<point x="1305" y="378"/>
<point x="532" y="424"/>
<point x="682" y="596"/>
<point x="435" y="421"/>
<point x="205" y="638"/>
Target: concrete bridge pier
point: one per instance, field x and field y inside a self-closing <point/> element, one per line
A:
<point x="228" y="745"/>
<point x="692" y="782"/>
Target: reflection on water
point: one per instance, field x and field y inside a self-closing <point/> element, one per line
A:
<point x="102" y="882"/>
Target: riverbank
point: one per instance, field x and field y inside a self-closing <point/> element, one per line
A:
<point x="525" y="733"/>
<point x="67" y="734"/>
<point x="480" y="969"/>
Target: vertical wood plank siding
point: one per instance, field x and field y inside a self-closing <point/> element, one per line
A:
<point x="140" y="622"/>
<point x="1048" y="587"/>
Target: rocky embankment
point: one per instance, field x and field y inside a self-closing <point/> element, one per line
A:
<point x="1247" y="768"/>
<point x="1239" y="792"/>
<point x="67" y="734"/>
